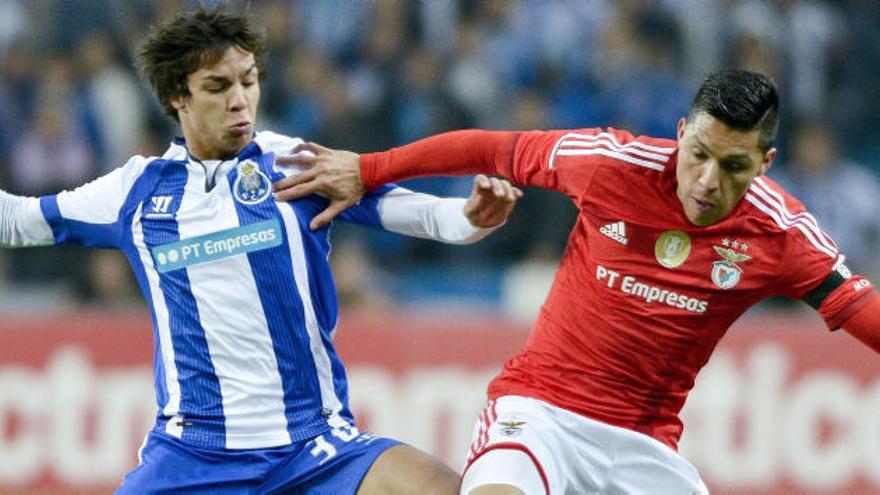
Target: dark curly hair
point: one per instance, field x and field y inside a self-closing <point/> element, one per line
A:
<point x="192" y="40"/>
<point x="743" y="100"/>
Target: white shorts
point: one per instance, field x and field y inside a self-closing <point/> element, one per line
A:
<point x="570" y="453"/>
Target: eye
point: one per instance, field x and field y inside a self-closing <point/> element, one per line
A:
<point x="248" y="84"/>
<point x="700" y="155"/>
<point x="733" y="167"/>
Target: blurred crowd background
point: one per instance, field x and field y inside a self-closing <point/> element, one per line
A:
<point x="368" y="75"/>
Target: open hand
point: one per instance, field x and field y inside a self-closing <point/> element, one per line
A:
<point x="334" y="174"/>
<point x="491" y="201"/>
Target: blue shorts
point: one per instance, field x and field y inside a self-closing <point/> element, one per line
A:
<point x="331" y="463"/>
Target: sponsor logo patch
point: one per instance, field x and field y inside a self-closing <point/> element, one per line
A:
<point x="672" y="248"/>
<point x="219" y="245"/>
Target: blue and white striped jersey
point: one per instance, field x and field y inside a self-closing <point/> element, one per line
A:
<point x="239" y="289"/>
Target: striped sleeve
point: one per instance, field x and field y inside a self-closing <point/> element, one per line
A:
<point x="812" y="268"/>
<point x="90" y="214"/>
<point x="566" y="161"/>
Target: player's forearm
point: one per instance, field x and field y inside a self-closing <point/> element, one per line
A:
<point x="22" y="223"/>
<point x="429" y="217"/>
<point x="453" y="153"/>
<point x="865" y="324"/>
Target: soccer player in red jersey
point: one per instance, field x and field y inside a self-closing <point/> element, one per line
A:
<point x="674" y="241"/>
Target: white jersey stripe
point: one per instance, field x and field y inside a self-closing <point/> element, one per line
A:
<point x="612" y="154"/>
<point x="166" y="348"/>
<point x="761" y="187"/>
<point x="555" y="149"/>
<point x="329" y="399"/>
<point x="240" y="345"/>
<point x="751" y="198"/>
<point x="608" y="144"/>
<point x="631" y="144"/>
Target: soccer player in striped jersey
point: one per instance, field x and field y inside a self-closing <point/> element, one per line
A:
<point x="674" y="241"/>
<point x="252" y="397"/>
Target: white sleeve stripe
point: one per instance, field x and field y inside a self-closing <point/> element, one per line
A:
<point x="631" y="144"/>
<point x="612" y="154"/>
<point x="611" y="146"/>
<point x="763" y="190"/>
<point x="786" y="225"/>
<point x="574" y="144"/>
<point x="555" y="149"/>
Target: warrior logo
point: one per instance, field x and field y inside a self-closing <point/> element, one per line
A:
<point x="251" y="186"/>
<point x="726" y="274"/>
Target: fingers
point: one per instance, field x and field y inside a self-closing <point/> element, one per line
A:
<point x="329" y="213"/>
<point x="491" y="201"/>
<point x="281" y="187"/>
<point x="298" y="191"/>
<point x="312" y="147"/>
<point x="499" y="188"/>
<point x="303" y="154"/>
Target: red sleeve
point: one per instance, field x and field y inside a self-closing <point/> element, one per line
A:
<point x="810" y="255"/>
<point x="864" y="324"/>
<point x="845" y="301"/>
<point x="560" y="160"/>
<point x="452" y="153"/>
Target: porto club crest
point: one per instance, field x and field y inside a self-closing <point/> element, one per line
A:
<point x="726" y="273"/>
<point x="251" y="186"/>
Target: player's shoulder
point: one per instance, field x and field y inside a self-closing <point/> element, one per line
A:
<point x="618" y="147"/>
<point x="781" y="213"/>
<point x="768" y="200"/>
<point x="272" y="142"/>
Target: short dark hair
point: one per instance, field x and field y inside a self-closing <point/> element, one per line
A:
<point x="192" y="40"/>
<point x="743" y="100"/>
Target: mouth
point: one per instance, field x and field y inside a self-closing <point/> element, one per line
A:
<point x="703" y="205"/>
<point x="241" y="128"/>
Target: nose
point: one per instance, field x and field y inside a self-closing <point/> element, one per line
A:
<point x="709" y="176"/>
<point x="236" y="100"/>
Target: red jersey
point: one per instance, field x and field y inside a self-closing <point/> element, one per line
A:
<point x="641" y="296"/>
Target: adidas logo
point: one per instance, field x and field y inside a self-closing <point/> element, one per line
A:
<point x="616" y="231"/>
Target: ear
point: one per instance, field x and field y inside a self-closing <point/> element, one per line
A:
<point x="179" y="103"/>
<point x="768" y="160"/>
<point x="682" y="123"/>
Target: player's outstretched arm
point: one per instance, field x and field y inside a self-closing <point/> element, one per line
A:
<point x="449" y="220"/>
<point x="343" y="177"/>
<point x="22" y="223"/>
<point x="865" y="324"/>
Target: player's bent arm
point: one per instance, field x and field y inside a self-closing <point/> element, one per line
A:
<point x="453" y="153"/>
<point x="22" y="223"/>
<point x="865" y="324"/>
<point x="429" y="217"/>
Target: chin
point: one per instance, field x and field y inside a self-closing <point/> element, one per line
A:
<point x="702" y="221"/>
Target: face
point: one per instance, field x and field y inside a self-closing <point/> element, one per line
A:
<point x="716" y="165"/>
<point x="219" y="114"/>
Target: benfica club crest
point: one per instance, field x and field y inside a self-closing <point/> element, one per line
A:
<point x="726" y="274"/>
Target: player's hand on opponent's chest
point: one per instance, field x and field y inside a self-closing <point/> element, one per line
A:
<point x="334" y="174"/>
